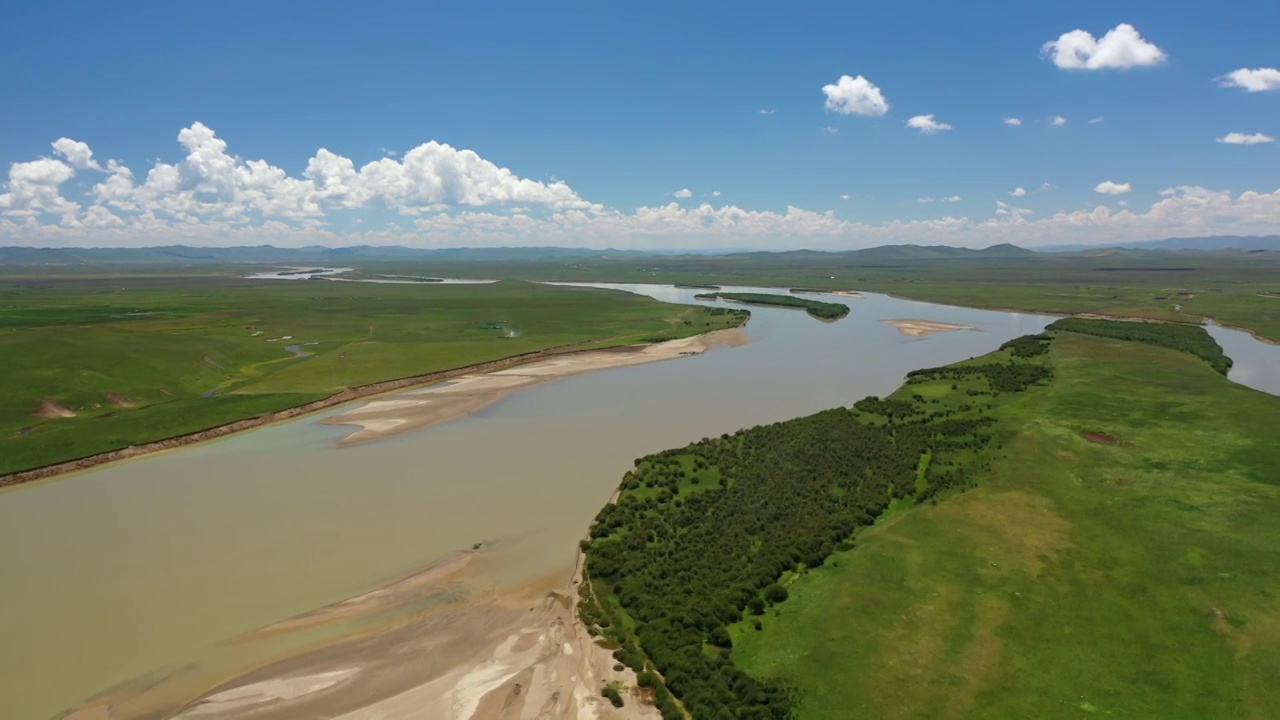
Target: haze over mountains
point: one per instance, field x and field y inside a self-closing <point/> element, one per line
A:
<point x="316" y="254"/>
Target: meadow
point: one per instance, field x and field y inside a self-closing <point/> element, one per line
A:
<point x="100" y="362"/>
<point x="1117" y="557"/>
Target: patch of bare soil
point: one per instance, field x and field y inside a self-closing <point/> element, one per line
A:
<point x="51" y="409"/>
<point x="1100" y="438"/>
<point x="119" y="400"/>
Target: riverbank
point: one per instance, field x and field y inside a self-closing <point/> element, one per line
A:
<point x="666" y="349"/>
<point x="433" y="644"/>
<point x="471" y="392"/>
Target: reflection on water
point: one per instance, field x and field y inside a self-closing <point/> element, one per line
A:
<point x="135" y="566"/>
<point x="1255" y="364"/>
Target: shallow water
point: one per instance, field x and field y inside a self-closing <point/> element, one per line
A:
<point x="124" y="569"/>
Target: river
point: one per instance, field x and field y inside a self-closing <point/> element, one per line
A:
<point x="155" y="563"/>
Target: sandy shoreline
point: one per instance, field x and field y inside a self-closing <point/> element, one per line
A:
<point x="435" y="644"/>
<point x="726" y="337"/>
<point x="920" y="328"/>
<point x="469" y="393"/>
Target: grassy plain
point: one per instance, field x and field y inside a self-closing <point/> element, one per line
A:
<point x="1133" y="575"/>
<point x="1235" y="288"/>
<point x="134" y="356"/>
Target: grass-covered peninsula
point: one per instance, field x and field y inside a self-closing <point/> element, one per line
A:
<point x="816" y="308"/>
<point x="1048" y="530"/>
<point x="94" y="364"/>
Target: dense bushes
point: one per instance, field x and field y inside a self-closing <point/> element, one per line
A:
<point x="822" y="310"/>
<point x="1185" y="338"/>
<point x="702" y="536"/>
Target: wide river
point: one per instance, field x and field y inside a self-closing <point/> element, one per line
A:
<point x="156" y="563"/>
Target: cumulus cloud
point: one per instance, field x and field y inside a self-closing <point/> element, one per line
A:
<point x="844" y="197"/>
<point x="683" y="194"/>
<point x="34" y="188"/>
<point x="1107" y="187"/>
<point x="1252" y="80"/>
<point x="767" y="111"/>
<point x="715" y="193"/>
<point x="830" y="130"/>
<point x="855" y="96"/>
<point x="1121" y="48"/>
<point x="924" y="200"/>
<point x="77" y="153"/>
<point x="926" y="124"/>
<point x="210" y="197"/>
<point x="953" y="198"/>
<point x="1018" y="192"/>
<point x="1236" y="138"/>
<point x="1057" y="121"/>
<point x="1013" y="121"/>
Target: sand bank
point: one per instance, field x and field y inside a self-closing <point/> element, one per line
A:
<point x="467" y="394"/>
<point x="436" y="644"/>
<point x="920" y="328"/>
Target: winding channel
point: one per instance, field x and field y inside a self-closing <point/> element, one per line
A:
<point x="153" y="564"/>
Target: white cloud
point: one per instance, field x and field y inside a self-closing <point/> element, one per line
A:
<point x="77" y="153"/>
<point x="926" y="124"/>
<point x="1018" y="192"/>
<point x="209" y="197"/>
<point x="715" y="193"/>
<point x="34" y="188"/>
<point x="1097" y="120"/>
<point x="767" y="111"/>
<point x="855" y="96"/>
<point x="1236" y="138"/>
<point x="1057" y="121"/>
<point x="924" y="200"/>
<point x="683" y="194"/>
<point x="1013" y="121"/>
<point x="1046" y="186"/>
<point x="830" y="130"/>
<point x="1122" y="47"/>
<point x="1107" y="187"/>
<point x="1255" y="80"/>
<point x="953" y="198"/>
<point x="844" y="197"/>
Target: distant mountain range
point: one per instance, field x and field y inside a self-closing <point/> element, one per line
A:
<point x="1215" y="242"/>
<point x="178" y="255"/>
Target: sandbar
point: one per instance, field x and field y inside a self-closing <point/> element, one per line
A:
<point x="468" y="394"/>
<point x="920" y="328"/>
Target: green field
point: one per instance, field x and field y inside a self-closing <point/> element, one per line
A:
<point x="134" y="356"/>
<point x="1133" y="575"/>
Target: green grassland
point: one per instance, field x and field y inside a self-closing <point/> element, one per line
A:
<point x="133" y="355"/>
<point x="1136" y="579"/>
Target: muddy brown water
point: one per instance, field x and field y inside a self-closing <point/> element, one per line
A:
<point x="156" y="563"/>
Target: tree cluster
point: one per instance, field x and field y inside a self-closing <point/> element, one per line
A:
<point x="1184" y="338"/>
<point x="705" y="535"/>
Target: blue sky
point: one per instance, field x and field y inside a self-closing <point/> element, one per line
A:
<point x="626" y="107"/>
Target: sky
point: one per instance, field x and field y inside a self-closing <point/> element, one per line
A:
<point x="711" y="125"/>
